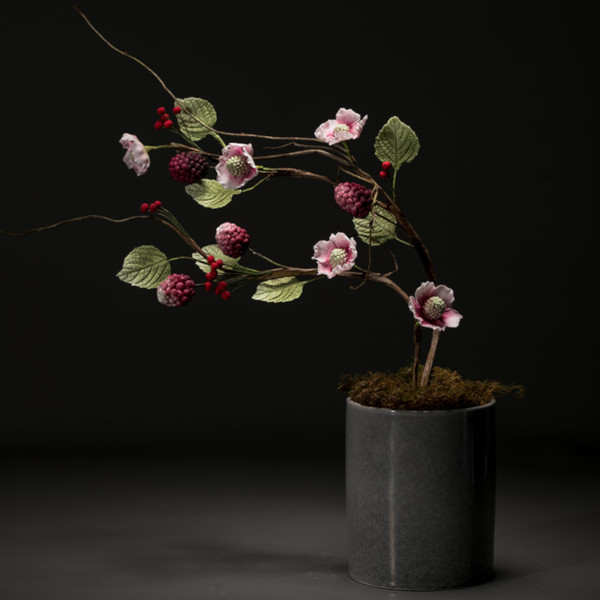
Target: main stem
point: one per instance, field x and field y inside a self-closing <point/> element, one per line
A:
<point x="435" y="338"/>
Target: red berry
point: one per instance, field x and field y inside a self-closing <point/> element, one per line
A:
<point x="157" y="203"/>
<point x="164" y="117"/>
<point x="386" y="164"/>
<point x="158" y="125"/>
<point x="219" y="263"/>
<point x="144" y="207"/>
<point x="226" y="295"/>
<point x="210" y="275"/>
<point x="383" y="174"/>
<point x="168" y="124"/>
<point x="176" y="110"/>
<point x="161" y="110"/>
<point x="210" y="259"/>
<point x="208" y="286"/>
<point x="152" y="207"/>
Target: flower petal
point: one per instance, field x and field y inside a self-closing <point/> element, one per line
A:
<point x="451" y="318"/>
<point x="445" y="293"/>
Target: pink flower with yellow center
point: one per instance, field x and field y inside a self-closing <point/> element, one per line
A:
<point x="432" y="306"/>
<point x="136" y="156"/>
<point x="335" y="255"/>
<point x="347" y="125"/>
<point x="236" y="166"/>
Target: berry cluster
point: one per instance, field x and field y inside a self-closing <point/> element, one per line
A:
<point x="145" y="207"/>
<point x="176" y="290"/>
<point x="354" y="198"/>
<point x="385" y="167"/>
<point x="220" y="288"/>
<point x="188" y="167"/>
<point x="164" y="119"/>
<point x="232" y="239"/>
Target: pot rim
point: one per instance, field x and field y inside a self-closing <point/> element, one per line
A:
<point x="440" y="411"/>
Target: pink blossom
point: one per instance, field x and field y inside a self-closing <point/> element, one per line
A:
<point x="136" y="156"/>
<point x="335" y="255"/>
<point x="432" y="306"/>
<point x="236" y="166"/>
<point x="347" y="125"/>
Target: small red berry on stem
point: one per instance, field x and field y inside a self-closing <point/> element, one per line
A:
<point x="210" y="259"/>
<point x="168" y="124"/>
<point x="176" y="110"/>
<point x="383" y="174"/>
<point x="385" y="165"/>
<point x="158" y="125"/>
<point x="226" y="294"/>
<point x="161" y="110"/>
<point x="144" y="207"/>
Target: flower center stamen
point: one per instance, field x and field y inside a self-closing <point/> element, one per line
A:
<point x="434" y="308"/>
<point x="338" y="257"/>
<point x="238" y="166"/>
<point x="341" y="128"/>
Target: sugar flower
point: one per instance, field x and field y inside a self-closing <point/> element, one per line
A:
<point x="432" y="306"/>
<point x="335" y="255"/>
<point x="136" y="156"/>
<point x="347" y="125"/>
<point x="236" y="166"/>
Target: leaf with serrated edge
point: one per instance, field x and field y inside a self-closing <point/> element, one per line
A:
<point x="396" y="142"/>
<point x="145" y="267"/>
<point x="284" y="289"/>
<point x="214" y="250"/>
<point x="384" y="227"/>
<point x="210" y="193"/>
<point x="200" y="110"/>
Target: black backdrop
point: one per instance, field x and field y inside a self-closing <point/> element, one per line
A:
<point x="499" y="193"/>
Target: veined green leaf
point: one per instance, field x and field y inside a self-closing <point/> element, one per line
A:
<point x="376" y="228"/>
<point x="199" y="110"/>
<point x="396" y="142"/>
<point x="210" y="194"/>
<point x="145" y="267"/>
<point x="283" y="289"/>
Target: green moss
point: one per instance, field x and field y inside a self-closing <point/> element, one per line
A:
<point x="446" y="390"/>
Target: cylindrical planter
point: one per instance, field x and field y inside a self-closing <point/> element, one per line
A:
<point x="420" y="493"/>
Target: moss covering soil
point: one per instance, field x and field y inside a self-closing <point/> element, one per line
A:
<point x="446" y="390"/>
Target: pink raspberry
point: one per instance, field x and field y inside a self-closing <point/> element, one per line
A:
<point x="232" y="240"/>
<point x="354" y="198"/>
<point x="188" y="167"/>
<point x="176" y="290"/>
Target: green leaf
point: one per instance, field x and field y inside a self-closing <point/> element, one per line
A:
<point x="383" y="227"/>
<point x="200" y="110"/>
<point x="283" y="289"/>
<point x="145" y="267"/>
<point x="210" y="194"/>
<point x="396" y="142"/>
<point x="214" y="250"/>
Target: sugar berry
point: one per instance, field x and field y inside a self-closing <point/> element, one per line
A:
<point x="385" y="165"/>
<point x="176" y="290"/>
<point x="188" y="167"/>
<point x="354" y="198"/>
<point x="232" y="239"/>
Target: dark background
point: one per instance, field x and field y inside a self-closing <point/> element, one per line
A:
<point x="499" y="193"/>
<point x="149" y="452"/>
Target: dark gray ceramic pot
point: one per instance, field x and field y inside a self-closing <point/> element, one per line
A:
<point x="420" y="489"/>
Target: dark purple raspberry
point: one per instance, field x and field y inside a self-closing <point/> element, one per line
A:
<point x="188" y="167"/>
<point x="232" y="240"/>
<point x="354" y="198"/>
<point x="175" y="290"/>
